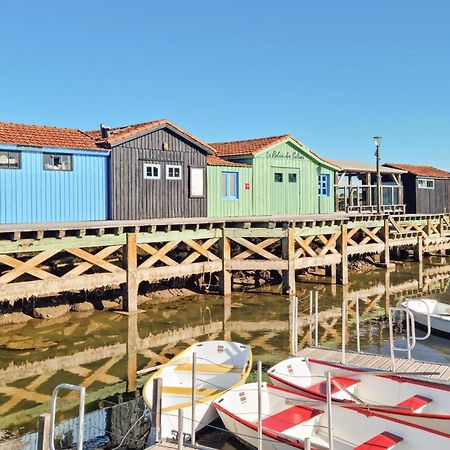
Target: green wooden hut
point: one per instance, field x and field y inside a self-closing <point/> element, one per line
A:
<point x="286" y="178"/>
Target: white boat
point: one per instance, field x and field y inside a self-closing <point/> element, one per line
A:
<point x="220" y="365"/>
<point x="418" y="401"/>
<point x="439" y="314"/>
<point x="289" y="418"/>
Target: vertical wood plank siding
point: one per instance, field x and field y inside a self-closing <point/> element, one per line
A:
<point x="134" y="197"/>
<point x="220" y="207"/>
<point x="433" y="201"/>
<point x="32" y="194"/>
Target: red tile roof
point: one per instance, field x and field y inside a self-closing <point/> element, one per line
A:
<point x="214" y="160"/>
<point x="117" y="134"/>
<point x="246" y="147"/>
<point x="45" y="136"/>
<point x="421" y="171"/>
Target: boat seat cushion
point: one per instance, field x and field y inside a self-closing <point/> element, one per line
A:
<point x="289" y="418"/>
<point x="382" y="441"/>
<point x="415" y="403"/>
<point x="321" y="388"/>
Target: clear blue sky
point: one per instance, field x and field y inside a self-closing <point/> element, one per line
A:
<point x="331" y="72"/>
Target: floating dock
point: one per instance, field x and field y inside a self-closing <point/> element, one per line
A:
<point x="441" y="372"/>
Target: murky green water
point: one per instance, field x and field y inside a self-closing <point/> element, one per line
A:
<point x="101" y="350"/>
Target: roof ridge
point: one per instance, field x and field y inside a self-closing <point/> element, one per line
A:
<point x="252" y="140"/>
<point x="40" y="126"/>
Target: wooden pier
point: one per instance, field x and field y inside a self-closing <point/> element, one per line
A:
<point x="379" y="362"/>
<point x="40" y="260"/>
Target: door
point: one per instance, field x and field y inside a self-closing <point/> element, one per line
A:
<point x="285" y="192"/>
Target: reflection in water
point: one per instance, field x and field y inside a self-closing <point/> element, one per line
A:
<point x="103" y="350"/>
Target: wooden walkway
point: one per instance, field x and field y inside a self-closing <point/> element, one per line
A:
<point x="374" y="361"/>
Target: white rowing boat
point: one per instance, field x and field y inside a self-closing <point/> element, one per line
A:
<point x="439" y="314"/>
<point x="419" y="401"/>
<point x="289" y="418"/>
<point x="220" y="365"/>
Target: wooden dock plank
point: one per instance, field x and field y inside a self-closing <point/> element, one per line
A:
<point x="373" y="361"/>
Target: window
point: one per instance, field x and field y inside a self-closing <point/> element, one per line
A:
<point x="324" y="185"/>
<point x="54" y="161"/>
<point x="196" y="181"/>
<point x="230" y="185"/>
<point x="152" y="171"/>
<point x="292" y="178"/>
<point x="9" y="160"/>
<point x="425" y="183"/>
<point x="278" y="177"/>
<point x="173" y="172"/>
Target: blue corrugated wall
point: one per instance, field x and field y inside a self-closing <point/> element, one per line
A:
<point x="32" y="194"/>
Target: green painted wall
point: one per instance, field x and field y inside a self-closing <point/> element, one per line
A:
<point x="220" y="207"/>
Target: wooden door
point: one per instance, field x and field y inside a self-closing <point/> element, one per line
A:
<point x="285" y="191"/>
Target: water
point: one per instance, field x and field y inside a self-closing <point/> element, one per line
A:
<point x="102" y="350"/>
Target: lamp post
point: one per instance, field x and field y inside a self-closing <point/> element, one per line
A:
<point x="377" y="140"/>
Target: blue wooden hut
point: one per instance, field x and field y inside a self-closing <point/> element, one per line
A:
<point x="50" y="174"/>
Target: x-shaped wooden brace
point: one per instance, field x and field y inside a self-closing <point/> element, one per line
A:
<point x="330" y="244"/>
<point x="96" y="260"/>
<point x="255" y="248"/>
<point x="370" y="235"/>
<point x="29" y="266"/>
<point x="158" y="255"/>
<point x="200" y="250"/>
<point x="304" y="246"/>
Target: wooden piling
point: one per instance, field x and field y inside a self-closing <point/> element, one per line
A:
<point x="288" y="255"/>
<point x="132" y="353"/>
<point x="130" y="290"/>
<point x="44" y="432"/>
<point x="418" y="249"/>
<point x="342" y="267"/>
<point x="386" y="252"/>
<point x="225" y="274"/>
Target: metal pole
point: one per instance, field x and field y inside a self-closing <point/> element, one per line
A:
<point x="180" y="429"/>
<point x="358" y="338"/>
<point x="307" y="444"/>
<point x="194" y="376"/>
<point x="260" y="446"/>
<point x="329" y="412"/>
<point x="344" y="327"/>
<point x="316" y="328"/>
<point x="310" y="317"/>
<point x="377" y="154"/>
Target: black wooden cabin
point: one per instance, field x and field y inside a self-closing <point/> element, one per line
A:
<point x="157" y="170"/>
<point x="426" y="189"/>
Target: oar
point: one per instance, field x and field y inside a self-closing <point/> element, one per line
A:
<point x="290" y="401"/>
<point x="385" y="373"/>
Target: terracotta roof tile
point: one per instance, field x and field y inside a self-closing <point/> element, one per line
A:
<point x="421" y="171"/>
<point x="45" y="136"/>
<point x="214" y="160"/>
<point x="246" y="147"/>
<point x="119" y="133"/>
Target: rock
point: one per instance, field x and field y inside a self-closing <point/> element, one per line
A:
<point x="82" y="307"/>
<point x="13" y="318"/>
<point x="108" y="304"/>
<point x="51" y="312"/>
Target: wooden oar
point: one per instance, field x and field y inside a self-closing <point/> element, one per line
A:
<point x="381" y="373"/>
<point x="290" y="401"/>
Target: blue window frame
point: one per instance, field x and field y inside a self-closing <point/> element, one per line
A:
<point x="324" y="185"/>
<point x="230" y="185"/>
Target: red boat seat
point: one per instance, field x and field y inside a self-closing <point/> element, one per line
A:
<point x="289" y="418"/>
<point x="382" y="441"/>
<point x="415" y="403"/>
<point x="321" y="388"/>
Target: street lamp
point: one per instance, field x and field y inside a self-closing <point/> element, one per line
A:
<point x="377" y="141"/>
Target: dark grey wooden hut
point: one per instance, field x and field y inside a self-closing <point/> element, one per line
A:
<point x="157" y="170"/>
<point x="426" y="189"/>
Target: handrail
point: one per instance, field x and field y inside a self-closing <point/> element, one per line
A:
<point x="427" y="306"/>
<point x="410" y="333"/>
<point x="70" y="387"/>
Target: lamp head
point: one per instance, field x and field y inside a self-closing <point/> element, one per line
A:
<point x="377" y="140"/>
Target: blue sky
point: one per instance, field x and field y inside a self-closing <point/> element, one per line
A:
<point x="331" y="72"/>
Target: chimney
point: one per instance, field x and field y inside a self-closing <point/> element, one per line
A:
<point x="105" y="130"/>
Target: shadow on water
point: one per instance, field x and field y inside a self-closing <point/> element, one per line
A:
<point x="102" y="350"/>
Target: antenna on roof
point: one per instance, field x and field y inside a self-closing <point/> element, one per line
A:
<point x="105" y="131"/>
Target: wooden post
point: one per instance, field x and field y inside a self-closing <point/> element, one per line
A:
<point x="130" y="291"/>
<point x="387" y="283"/>
<point x="288" y="254"/>
<point x="330" y="271"/>
<point x="429" y="227"/>
<point x="225" y="274"/>
<point x="226" y="318"/>
<point x="342" y="267"/>
<point x="418" y="249"/>
<point x="132" y="353"/>
<point x="155" y="430"/>
<point x="386" y="254"/>
<point x="441" y="226"/>
<point x="44" y="432"/>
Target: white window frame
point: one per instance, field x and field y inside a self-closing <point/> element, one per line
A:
<point x="152" y="177"/>
<point x="196" y="182"/>
<point x="174" y="166"/>
<point x="422" y="183"/>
